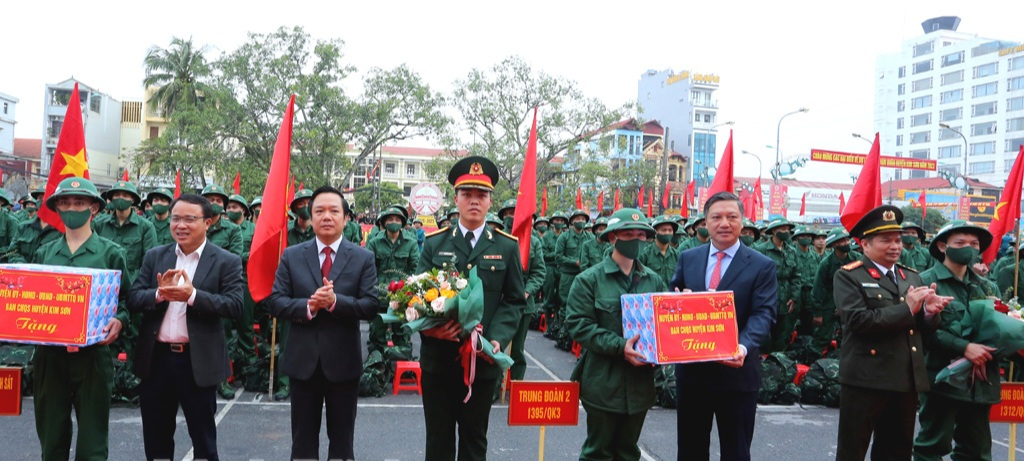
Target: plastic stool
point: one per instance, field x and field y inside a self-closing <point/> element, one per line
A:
<point x="406" y="384"/>
<point x="123" y="357"/>
<point x="801" y="370"/>
<point x="542" y="324"/>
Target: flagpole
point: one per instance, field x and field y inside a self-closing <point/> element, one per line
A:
<point x="273" y="323"/>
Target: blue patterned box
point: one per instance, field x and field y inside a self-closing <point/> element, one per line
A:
<point x="681" y="327"/>
<point x="56" y="305"/>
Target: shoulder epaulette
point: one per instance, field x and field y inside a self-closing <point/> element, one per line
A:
<point x="438" y="232"/>
<point x="853" y="265"/>
<point x="911" y="269"/>
<point x="507" y="235"/>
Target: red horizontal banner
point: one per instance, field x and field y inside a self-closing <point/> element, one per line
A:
<point x="907" y="163"/>
<point x="10" y="391"/>
<point x="544" y="403"/>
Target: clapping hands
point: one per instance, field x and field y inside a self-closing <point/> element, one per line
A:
<point x="174" y="285"/>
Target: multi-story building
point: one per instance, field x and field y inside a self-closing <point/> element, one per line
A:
<point x="685" y="104"/>
<point x="954" y="97"/>
<point x="101" y="117"/>
<point x="7" y="122"/>
<point x="402" y="167"/>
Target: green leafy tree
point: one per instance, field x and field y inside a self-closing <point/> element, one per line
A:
<point x="371" y="199"/>
<point x="933" y="220"/>
<point x="179" y="72"/>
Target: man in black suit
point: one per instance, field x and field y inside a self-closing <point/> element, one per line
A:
<point x="725" y="391"/>
<point x="324" y="287"/>
<point x="183" y="291"/>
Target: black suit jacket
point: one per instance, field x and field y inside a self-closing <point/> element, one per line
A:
<point x="751" y="278"/>
<point x="330" y="338"/>
<point x="219" y="291"/>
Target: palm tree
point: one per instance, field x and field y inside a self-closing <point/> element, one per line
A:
<point x="178" y="72"/>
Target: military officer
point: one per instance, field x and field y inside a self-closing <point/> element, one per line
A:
<point x="568" y="248"/>
<point x="662" y="257"/>
<point x="468" y="244"/>
<point x="31" y="235"/>
<point x="161" y="199"/>
<point x="886" y="309"/>
<point x="778" y="248"/>
<point x="914" y="255"/>
<point x="807" y="265"/>
<point x="949" y="414"/>
<point x="76" y="378"/>
<point x="396" y="256"/>
<point x="823" y="306"/>
<point x="228" y="236"/>
<point x="616" y="386"/>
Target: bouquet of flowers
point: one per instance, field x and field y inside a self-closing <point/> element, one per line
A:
<point x="984" y="324"/>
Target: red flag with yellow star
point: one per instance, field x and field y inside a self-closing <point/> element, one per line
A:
<point x="69" y="159"/>
<point x="1008" y="209"/>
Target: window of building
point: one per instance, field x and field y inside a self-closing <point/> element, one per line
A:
<point x="899" y="123"/>
<point x="407" y="191"/>
<point x="707" y="118"/>
<point x="154" y="132"/>
<point x="983" y="148"/>
<point x="921" y="102"/>
<point x="389" y="169"/>
<point x="954" y="58"/>
<point x="899" y="140"/>
<point x="358" y="181"/>
<point x="1016" y="63"/>
<point x="919" y="153"/>
<point x="1008" y="165"/>
<point x="985" y="48"/>
<point x="984" y="90"/>
<point x="979" y="129"/>
<point x="5" y="108"/>
<point x="1016" y="83"/>
<point x="948" y="134"/>
<point x="951" y="114"/>
<point x="1015" y="124"/>
<point x="924" y="48"/>
<point x="949" y="151"/>
<point x="921" y="119"/>
<point x="952" y="169"/>
<point x="901" y="106"/>
<point x="1015" y="104"/>
<point x="985" y="108"/>
<point x="923" y="66"/>
<point x="901" y="89"/>
<point x="56" y="122"/>
<point x="410" y="170"/>
<point x="951" y="96"/>
<point x="1013" y="145"/>
<point x="902" y="71"/>
<point x="956" y="76"/>
<point x="922" y="84"/>
<point x="920" y="137"/>
<point x="985" y="70"/>
<point x="983" y="167"/>
<point x="696" y="117"/>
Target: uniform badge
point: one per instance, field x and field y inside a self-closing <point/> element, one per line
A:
<point x="445" y="253"/>
<point x="492" y="256"/>
<point x="75" y="184"/>
<point x="902" y="275"/>
<point x="869" y="285"/>
<point x="889" y="215"/>
<point x="476" y="169"/>
<point x="874" y="273"/>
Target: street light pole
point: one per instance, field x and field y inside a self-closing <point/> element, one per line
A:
<point x="778" y="133"/>
<point x="964" y="173"/>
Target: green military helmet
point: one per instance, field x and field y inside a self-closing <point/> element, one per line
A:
<point x="921" y="234"/>
<point x="835" y="235"/>
<point x="748" y="224"/>
<point x="299" y="195"/>
<point x="588" y="226"/>
<point x="214" y="189"/>
<point x="602" y="221"/>
<point x="393" y="210"/>
<point x="162" y="191"/>
<point x="401" y="209"/>
<point x="541" y="219"/>
<point x="579" y="212"/>
<point x="626" y="219"/>
<point x="663" y="219"/>
<point x="124" y="186"/>
<point x="777" y="223"/>
<point x="258" y="200"/>
<point x="452" y="214"/>
<point x="559" y="215"/>
<point x="803" y="230"/>
<point x="697" y="219"/>
<point x="959" y="225"/>
<point x="237" y="198"/>
<point x="678" y="218"/>
<point x="509" y="204"/>
<point x="38" y="192"/>
<point x="821" y="233"/>
<point x="30" y="199"/>
<point x="4" y="201"/>
<point x="492" y="218"/>
<point x="417" y="221"/>
<point x="75" y="186"/>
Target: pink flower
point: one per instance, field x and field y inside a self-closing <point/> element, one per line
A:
<point x="437" y="305"/>
<point x="446" y="286"/>
<point x="411" y="314"/>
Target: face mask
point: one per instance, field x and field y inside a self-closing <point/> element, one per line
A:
<point x="393" y="227"/>
<point x="149" y="213"/>
<point x="962" y="255"/>
<point x="120" y="204"/>
<point x="630" y="249"/>
<point x="579" y="225"/>
<point x="747" y="239"/>
<point x="703" y="232"/>
<point x="31" y="209"/>
<point x="676" y="239"/>
<point x="160" y="209"/>
<point x="255" y="214"/>
<point x="234" y="215"/>
<point x="217" y="209"/>
<point x="782" y="236"/>
<point x="542" y="229"/>
<point x="664" y="238"/>
<point x="75" y="219"/>
<point x="908" y="239"/>
<point x="507" y="220"/>
<point x="560" y="226"/>
<point x="803" y="241"/>
<point x="843" y="248"/>
<point x="302" y="213"/>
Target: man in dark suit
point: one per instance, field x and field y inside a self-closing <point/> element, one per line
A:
<point x="183" y="291"/>
<point x="725" y="391"/>
<point x="324" y="287"/>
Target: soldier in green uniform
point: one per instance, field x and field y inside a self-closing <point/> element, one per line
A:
<point x="662" y="257"/>
<point x="466" y="245"/>
<point x="616" y="386"/>
<point x="236" y="211"/>
<point x="914" y="255"/>
<point x="749" y="233"/>
<point x="778" y="248"/>
<point x="161" y="199"/>
<point x="807" y="265"/>
<point x="255" y="206"/>
<point x="680" y="234"/>
<point x="228" y="236"/>
<point x="81" y="379"/>
<point x="700" y="236"/>
<point x="552" y="300"/>
<point x="31" y="235"/>
<point x="568" y="249"/>
<point x="819" y="243"/>
<point x="949" y="414"/>
<point x="29" y="207"/>
<point x="353" y="231"/>
<point x="396" y="256"/>
<point x="493" y="221"/>
<point x="596" y="251"/>
<point x="824" y="316"/>
<point x="8" y="223"/>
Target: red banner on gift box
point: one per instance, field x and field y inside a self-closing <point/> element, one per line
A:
<point x="695" y="327"/>
<point x="44" y="306"/>
<point x="10" y="391"/>
<point x="544" y="403"/>
<point x="1011" y="408"/>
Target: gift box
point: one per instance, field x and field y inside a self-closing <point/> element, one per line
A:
<point x="682" y="327"/>
<point x="56" y="305"/>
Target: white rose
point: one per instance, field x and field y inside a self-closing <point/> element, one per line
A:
<point x="440" y="278"/>
<point x="411" y="314"/>
<point x="393" y="305"/>
<point x="461" y="284"/>
<point x="446" y="286"/>
<point x="438" y="304"/>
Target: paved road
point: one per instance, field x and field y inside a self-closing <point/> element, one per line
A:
<point x="391" y="428"/>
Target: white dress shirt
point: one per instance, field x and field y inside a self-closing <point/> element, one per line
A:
<point x="476" y="233"/>
<point x="321" y="257"/>
<point x="174" y="328"/>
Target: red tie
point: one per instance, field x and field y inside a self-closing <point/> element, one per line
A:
<point x="325" y="268"/>
<point x="716" y="273"/>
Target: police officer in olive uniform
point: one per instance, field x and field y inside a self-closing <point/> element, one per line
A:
<point x="161" y="220"/>
<point x="949" y="414"/>
<point x="466" y="245"/>
<point x="824" y="316"/>
<point x="81" y="379"/>
<point x="597" y="250"/>
<point x="807" y="264"/>
<point x="395" y="255"/>
<point x="778" y="248"/>
<point x="228" y="236"/>
<point x="569" y="247"/>
<point x="914" y="255"/>
<point x="886" y="310"/>
<point x="662" y="257"/>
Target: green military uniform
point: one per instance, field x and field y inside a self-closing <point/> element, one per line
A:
<point x="615" y="394"/>
<point x="495" y="255"/>
<point x="396" y="260"/>
<point x="750" y="240"/>
<point x="228" y="236"/>
<point x="568" y="248"/>
<point x="550" y="289"/>
<point x="593" y="254"/>
<point x="353" y="231"/>
<point x="807" y="265"/>
<point x="823" y="303"/>
<point x="701" y="235"/>
<point x="162" y="227"/>
<point x="31" y="236"/>
<point x="81" y="379"/>
<point x="244" y="325"/>
<point x="947" y="413"/>
<point x="662" y="262"/>
<point x="680" y="235"/>
<point x="8" y="223"/>
<point x="916" y="257"/>
<point x="787" y="272"/>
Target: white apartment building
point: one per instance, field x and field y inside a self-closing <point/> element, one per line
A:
<point x="402" y="167"/>
<point x="7" y="123"/>
<point x="972" y="85"/>
<point x="101" y="116"/>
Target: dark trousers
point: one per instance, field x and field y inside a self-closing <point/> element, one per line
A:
<point x="443" y="410"/>
<point x="734" y="411"/>
<point x="612" y="436"/>
<point x="944" y="420"/>
<point x="63" y="381"/>
<point x="309" y="396"/>
<point x="171" y="384"/>
<point x="888" y="415"/>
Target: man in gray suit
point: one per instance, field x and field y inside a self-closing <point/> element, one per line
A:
<point x="324" y="287"/>
<point x="183" y="290"/>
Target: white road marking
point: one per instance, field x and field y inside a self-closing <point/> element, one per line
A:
<point x="216" y="420"/>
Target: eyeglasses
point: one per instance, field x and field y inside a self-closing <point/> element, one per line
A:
<point x="185" y="219"/>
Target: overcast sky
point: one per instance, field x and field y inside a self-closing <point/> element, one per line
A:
<point x="773" y="57"/>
